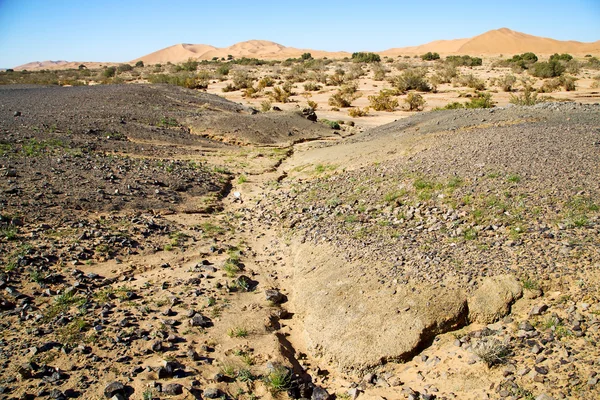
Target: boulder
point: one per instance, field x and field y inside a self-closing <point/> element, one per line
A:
<point x="494" y="298"/>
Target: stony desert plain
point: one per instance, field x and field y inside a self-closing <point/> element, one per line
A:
<point x="266" y="222"/>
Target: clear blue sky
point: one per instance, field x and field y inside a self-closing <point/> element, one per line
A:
<point x="108" y="30"/>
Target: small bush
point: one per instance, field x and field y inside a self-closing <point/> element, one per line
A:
<point x="223" y="70"/>
<point x="139" y="64"/>
<point x="332" y="124"/>
<point x="548" y="69"/>
<point x="466" y="61"/>
<point x="379" y="72"/>
<point x="124" y="68"/>
<point x="109" y="72"/>
<point x="358" y="112"/>
<point x="311" y="87"/>
<point x="278" y="379"/>
<point x="265" y="82"/>
<point x="524" y="60"/>
<point x="507" y="82"/>
<point x="189" y="65"/>
<point x="306" y="56"/>
<point x="429" y="56"/>
<point x="411" y="79"/>
<point x="528" y="98"/>
<point x="242" y="80"/>
<point x="415" y="102"/>
<point x="312" y="104"/>
<point x="384" y="101"/>
<point x="366" y="57"/>
<point x="280" y="95"/>
<point x="340" y="100"/>
<point x="471" y="81"/>
<point x="265" y="106"/>
<point x="491" y="351"/>
<point x="483" y="100"/>
<point x="560" y="57"/>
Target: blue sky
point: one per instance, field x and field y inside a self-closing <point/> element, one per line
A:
<point x="108" y="30"/>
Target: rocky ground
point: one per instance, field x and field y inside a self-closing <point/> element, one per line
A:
<point x="159" y="242"/>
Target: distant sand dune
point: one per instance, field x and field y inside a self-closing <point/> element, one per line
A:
<point x="495" y="42"/>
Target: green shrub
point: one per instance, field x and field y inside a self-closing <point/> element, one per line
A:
<point x="560" y="57"/>
<point x="187" y="80"/>
<point x="384" y="101"/>
<point x="279" y="94"/>
<point x="466" y="61"/>
<point x="358" y="112"/>
<point x="528" y="98"/>
<point x="311" y="87"/>
<point x="124" y="67"/>
<point x="306" y="56"/>
<point x="548" y="69"/>
<point x="332" y="124"/>
<point x="429" y="56"/>
<point x="524" y="60"/>
<point x="109" y="72"/>
<point x="139" y="64"/>
<point x="483" y="100"/>
<point x="340" y="99"/>
<point x="415" y="102"/>
<point x="223" y="70"/>
<point x="411" y="79"/>
<point x="365" y="57"/>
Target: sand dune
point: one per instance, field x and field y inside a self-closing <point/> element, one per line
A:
<point x="262" y="49"/>
<point x="495" y="42"/>
<point x="500" y="41"/>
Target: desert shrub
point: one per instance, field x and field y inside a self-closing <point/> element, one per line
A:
<point x="265" y="105"/>
<point x="466" y="61"/>
<point x="311" y="87"/>
<point x="524" y="60"/>
<point x="471" y="81"/>
<point x="507" y="82"/>
<point x="548" y="69"/>
<point x="223" y="70"/>
<point x="248" y="61"/>
<point x="529" y="97"/>
<point x="296" y="73"/>
<point x="250" y="92"/>
<point x="242" y="80"/>
<point x="550" y="85"/>
<point x="560" y="57"/>
<point x="482" y="100"/>
<point x="596" y="83"/>
<point x="189" y="65"/>
<point x="415" y="102"/>
<point x="491" y="351"/>
<point x="280" y="94"/>
<point x="317" y="76"/>
<point x="358" y="112"/>
<point x="429" y="56"/>
<point x="338" y="78"/>
<point x="593" y="63"/>
<point x="265" y="82"/>
<point x="340" y="99"/>
<point x="568" y="82"/>
<point x="355" y="72"/>
<point x="573" y="67"/>
<point x="384" y="101"/>
<point x="187" y="80"/>
<point x="124" y="67"/>
<point x="109" y="72"/>
<point x="379" y="72"/>
<point x="365" y="57"/>
<point x="139" y="64"/>
<point x="411" y="79"/>
<point x="229" y="88"/>
<point x="452" y="106"/>
<point x="312" y="104"/>
<point x="444" y="74"/>
<point x="332" y="124"/>
<point x="306" y="56"/>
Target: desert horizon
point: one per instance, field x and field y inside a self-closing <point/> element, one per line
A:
<point x="493" y="43"/>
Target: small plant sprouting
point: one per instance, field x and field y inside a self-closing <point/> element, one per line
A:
<point x="492" y="351"/>
<point x="238" y="332"/>
<point x="278" y="379"/>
